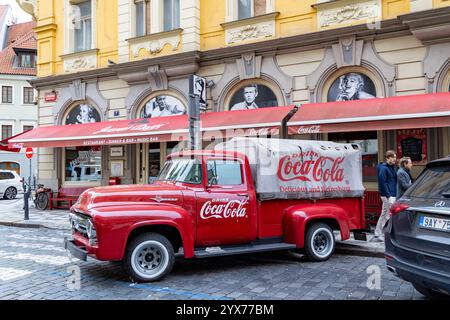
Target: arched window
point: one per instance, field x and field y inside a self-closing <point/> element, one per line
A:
<point x="161" y="106"/>
<point x="252" y="95"/>
<point x="82" y="113"/>
<point x="351" y="86"/>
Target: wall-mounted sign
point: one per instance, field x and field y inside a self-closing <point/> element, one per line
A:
<point x="412" y="143"/>
<point x="83" y="113"/>
<point x="162" y="106"/>
<point x="116" y="151"/>
<point x="51" y="96"/>
<point x="117" y="168"/>
<point x="352" y="86"/>
<point x="197" y="87"/>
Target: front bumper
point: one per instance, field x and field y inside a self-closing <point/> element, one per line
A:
<point x="76" y="251"/>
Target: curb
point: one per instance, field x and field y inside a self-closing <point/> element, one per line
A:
<point x="29" y="225"/>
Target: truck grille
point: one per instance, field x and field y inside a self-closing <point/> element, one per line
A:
<point x="79" y="222"/>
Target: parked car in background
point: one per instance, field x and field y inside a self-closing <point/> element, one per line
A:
<point x="417" y="236"/>
<point x="10" y="184"/>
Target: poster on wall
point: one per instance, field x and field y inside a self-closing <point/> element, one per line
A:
<point x="162" y="106"/>
<point x="352" y="86"/>
<point x="83" y="113"/>
<point x="412" y="143"/>
<point x="253" y="96"/>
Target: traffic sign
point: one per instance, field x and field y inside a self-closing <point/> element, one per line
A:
<point x="29" y="153"/>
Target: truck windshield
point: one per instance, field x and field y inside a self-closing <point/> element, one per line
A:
<point x="182" y="170"/>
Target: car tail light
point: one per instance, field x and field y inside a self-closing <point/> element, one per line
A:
<point x="396" y="208"/>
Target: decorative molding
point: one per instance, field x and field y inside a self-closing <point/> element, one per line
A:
<point x="249" y="66"/>
<point x="436" y="66"/>
<point x="29" y="6"/>
<point x="154" y="43"/>
<point x="256" y="28"/>
<point x="157" y="78"/>
<point x="335" y="13"/>
<point x="80" y="61"/>
<point x="78" y="90"/>
<point x="348" y="52"/>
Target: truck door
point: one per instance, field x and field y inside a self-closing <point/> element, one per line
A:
<point x="226" y="209"/>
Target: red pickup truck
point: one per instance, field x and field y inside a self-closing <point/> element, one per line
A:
<point x="247" y="195"/>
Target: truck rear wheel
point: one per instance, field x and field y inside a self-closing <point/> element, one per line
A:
<point x="149" y="257"/>
<point x="319" y="242"/>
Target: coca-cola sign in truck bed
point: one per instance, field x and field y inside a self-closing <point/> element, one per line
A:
<point x="248" y="195"/>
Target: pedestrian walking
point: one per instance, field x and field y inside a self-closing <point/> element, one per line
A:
<point x="387" y="187"/>
<point x="404" y="178"/>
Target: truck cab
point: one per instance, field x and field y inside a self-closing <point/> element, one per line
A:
<point x="207" y="203"/>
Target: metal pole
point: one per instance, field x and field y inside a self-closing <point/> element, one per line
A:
<point x="26" y="206"/>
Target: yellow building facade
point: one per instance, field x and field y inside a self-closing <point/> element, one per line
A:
<point x="119" y="57"/>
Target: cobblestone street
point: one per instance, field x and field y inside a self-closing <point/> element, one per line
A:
<point x="34" y="265"/>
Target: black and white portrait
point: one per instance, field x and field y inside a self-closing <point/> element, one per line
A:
<point x="352" y="86"/>
<point x="83" y="113"/>
<point x="253" y="96"/>
<point x="198" y="88"/>
<point x="162" y="106"/>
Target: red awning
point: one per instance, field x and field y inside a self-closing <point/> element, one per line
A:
<point x="401" y="112"/>
<point x="174" y="128"/>
<point x="256" y="122"/>
<point x="5" y="145"/>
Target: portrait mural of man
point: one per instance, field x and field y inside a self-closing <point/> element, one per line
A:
<point x="83" y="113"/>
<point x="352" y="86"/>
<point x="253" y="96"/>
<point x="162" y="106"/>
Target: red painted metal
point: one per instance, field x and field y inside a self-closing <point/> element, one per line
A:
<point x="204" y="215"/>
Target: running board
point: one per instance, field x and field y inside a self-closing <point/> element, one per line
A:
<point x="233" y="250"/>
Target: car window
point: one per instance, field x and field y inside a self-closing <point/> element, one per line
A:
<point x="432" y="183"/>
<point x="224" y="172"/>
<point x="2" y="176"/>
<point x="10" y="175"/>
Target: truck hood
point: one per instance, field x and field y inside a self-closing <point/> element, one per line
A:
<point x="161" y="193"/>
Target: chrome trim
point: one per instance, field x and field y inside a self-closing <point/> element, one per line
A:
<point x="160" y="199"/>
<point x="444" y="211"/>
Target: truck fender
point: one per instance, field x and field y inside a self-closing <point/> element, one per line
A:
<point x="296" y="218"/>
<point x="147" y="216"/>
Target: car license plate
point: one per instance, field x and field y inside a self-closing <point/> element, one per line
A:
<point x="434" y="223"/>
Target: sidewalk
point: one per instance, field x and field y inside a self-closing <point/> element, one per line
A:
<point x="12" y="214"/>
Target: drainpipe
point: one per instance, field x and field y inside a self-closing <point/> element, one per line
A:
<point x="284" y="128"/>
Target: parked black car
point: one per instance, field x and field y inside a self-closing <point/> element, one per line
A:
<point x="417" y="236"/>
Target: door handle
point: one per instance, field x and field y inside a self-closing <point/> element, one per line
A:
<point x="243" y="195"/>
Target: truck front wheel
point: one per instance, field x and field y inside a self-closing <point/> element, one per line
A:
<point x="149" y="257"/>
<point x="319" y="242"/>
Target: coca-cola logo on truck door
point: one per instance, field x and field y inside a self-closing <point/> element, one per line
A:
<point x="310" y="166"/>
<point x="223" y="209"/>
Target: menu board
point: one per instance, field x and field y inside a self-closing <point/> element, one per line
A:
<point x="412" y="143"/>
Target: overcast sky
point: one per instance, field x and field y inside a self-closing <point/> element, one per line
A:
<point x="21" y="15"/>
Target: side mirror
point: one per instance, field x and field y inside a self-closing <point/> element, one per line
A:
<point x="212" y="181"/>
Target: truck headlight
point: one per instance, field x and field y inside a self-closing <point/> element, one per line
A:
<point x="90" y="230"/>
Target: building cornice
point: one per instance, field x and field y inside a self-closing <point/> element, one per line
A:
<point x="421" y="24"/>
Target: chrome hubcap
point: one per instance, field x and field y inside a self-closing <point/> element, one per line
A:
<point x="10" y="193"/>
<point x="322" y="243"/>
<point x="149" y="259"/>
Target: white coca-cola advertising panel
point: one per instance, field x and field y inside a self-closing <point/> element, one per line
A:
<point x="301" y="169"/>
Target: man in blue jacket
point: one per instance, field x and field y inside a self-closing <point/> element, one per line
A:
<point x="387" y="186"/>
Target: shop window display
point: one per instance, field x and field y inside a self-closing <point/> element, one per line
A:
<point x="83" y="164"/>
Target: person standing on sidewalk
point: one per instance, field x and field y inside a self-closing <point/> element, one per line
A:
<point x="387" y="187"/>
<point x="404" y="178"/>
